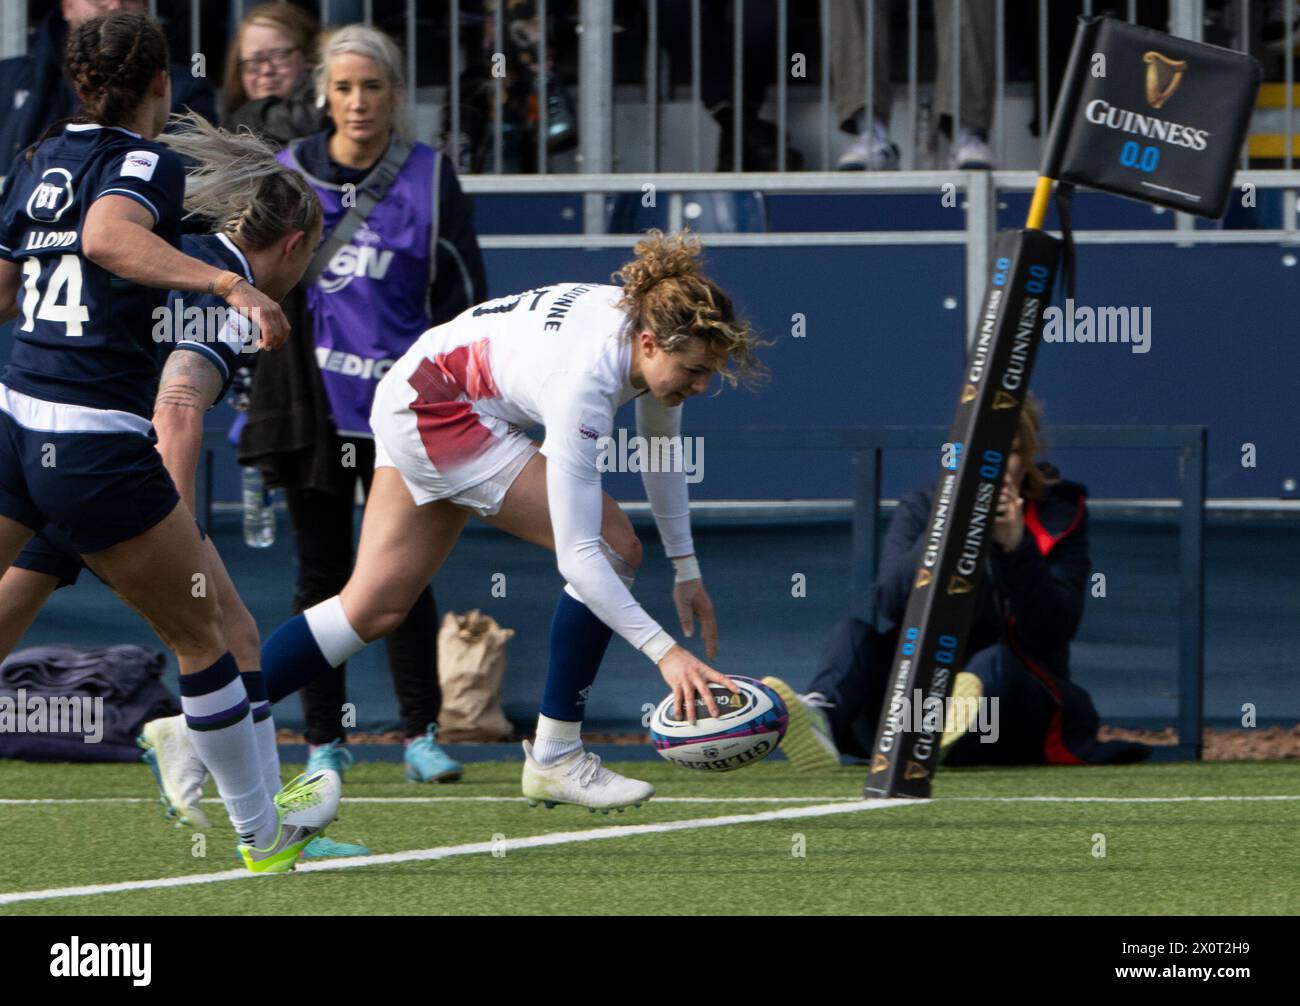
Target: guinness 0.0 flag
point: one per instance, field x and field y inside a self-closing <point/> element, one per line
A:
<point x="1152" y="117"/>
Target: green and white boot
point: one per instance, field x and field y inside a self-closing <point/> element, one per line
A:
<point x="305" y="808"/>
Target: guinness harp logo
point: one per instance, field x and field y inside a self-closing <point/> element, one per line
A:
<point x="1002" y="400"/>
<point x="957" y="585"/>
<point x="923" y="578"/>
<point x="1163" y="77"/>
<point x="881" y="763"/>
<point x="968" y="394"/>
<point x="915" y="771"/>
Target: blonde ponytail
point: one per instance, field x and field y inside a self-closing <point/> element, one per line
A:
<point x="235" y="180"/>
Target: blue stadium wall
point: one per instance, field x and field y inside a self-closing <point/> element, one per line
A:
<point x="884" y="334"/>
<point x="880" y="348"/>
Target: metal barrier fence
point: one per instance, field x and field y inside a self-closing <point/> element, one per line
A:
<point x="411" y="21"/>
<point x="980" y="192"/>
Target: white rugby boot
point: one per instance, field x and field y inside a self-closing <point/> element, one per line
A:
<point x="176" y="768"/>
<point x="580" y="779"/>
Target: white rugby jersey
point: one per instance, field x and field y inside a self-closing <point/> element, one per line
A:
<point x="559" y="356"/>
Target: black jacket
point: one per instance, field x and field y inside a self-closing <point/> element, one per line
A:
<point x="35" y="94"/>
<point x="282" y="120"/>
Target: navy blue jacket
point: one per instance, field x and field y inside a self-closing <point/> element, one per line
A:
<point x="1031" y="597"/>
<point x="34" y="93"/>
<point x="1031" y="600"/>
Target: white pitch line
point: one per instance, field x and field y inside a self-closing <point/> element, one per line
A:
<point x="446" y="799"/>
<point x="447" y="851"/>
<point x="699" y="799"/>
<point x="1110" y="799"/>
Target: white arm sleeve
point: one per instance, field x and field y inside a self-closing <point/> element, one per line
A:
<point x="665" y="488"/>
<point x="576" y="418"/>
<point x="575" y="506"/>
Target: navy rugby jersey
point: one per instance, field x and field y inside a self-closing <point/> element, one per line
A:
<point x="84" y="336"/>
<point x="203" y="322"/>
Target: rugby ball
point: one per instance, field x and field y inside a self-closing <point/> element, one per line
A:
<point x="748" y="727"/>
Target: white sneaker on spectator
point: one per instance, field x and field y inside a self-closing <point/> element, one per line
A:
<point x="871" y="150"/>
<point x="971" y="150"/>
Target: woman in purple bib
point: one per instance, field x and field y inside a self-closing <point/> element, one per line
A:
<point x="400" y="256"/>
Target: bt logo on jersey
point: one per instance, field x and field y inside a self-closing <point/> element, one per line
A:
<point x="52" y="196"/>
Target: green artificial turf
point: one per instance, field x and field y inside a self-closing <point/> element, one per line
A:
<point x="969" y="850"/>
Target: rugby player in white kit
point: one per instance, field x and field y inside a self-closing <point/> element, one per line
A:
<point x="448" y="420"/>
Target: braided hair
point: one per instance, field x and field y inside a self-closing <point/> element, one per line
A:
<point x="111" y="61"/>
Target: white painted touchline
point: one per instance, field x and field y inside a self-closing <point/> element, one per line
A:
<point x="697" y="799"/>
<point x="448" y="799"/>
<point x="447" y="851"/>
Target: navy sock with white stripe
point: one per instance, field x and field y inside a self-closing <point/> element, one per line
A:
<point x="216" y="710"/>
<point x="307" y="645"/>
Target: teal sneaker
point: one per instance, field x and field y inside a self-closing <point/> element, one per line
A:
<point x="427" y="762"/>
<point x="322" y="847"/>
<point x="333" y="756"/>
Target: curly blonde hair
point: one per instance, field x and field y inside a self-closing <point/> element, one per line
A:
<point x="666" y="291"/>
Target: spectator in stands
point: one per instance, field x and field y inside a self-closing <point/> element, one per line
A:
<point x="35" y="94"/>
<point x="758" y="139"/>
<point x="1028" y="609"/>
<point x="382" y="277"/>
<point x="873" y="150"/>
<point x="269" y="85"/>
<point x="520" y="93"/>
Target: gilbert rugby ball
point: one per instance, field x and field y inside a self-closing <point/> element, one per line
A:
<point x="748" y="727"/>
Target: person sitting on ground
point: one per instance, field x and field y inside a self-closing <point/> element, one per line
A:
<point x="1016" y="666"/>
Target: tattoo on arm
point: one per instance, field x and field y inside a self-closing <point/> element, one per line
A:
<point x="188" y="382"/>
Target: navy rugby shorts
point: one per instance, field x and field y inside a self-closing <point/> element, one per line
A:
<point x="94" y="474"/>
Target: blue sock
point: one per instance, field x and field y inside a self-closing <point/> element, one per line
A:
<point x="291" y="657"/>
<point x="259" y="705"/>
<point x="268" y="754"/>
<point x="578" y="643"/>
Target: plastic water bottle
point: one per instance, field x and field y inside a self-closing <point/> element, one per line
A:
<point x="259" y="515"/>
<point x="927" y="156"/>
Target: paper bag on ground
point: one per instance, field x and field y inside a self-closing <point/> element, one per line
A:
<point x="471" y="670"/>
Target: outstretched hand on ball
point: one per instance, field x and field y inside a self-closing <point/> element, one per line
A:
<point x="688" y="677"/>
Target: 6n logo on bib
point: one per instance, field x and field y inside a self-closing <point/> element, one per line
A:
<point x="350" y="262"/>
